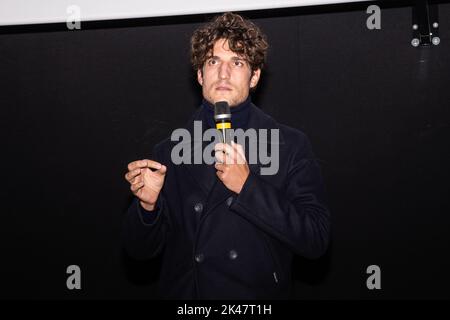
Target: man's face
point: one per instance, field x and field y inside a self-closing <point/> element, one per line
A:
<point x="226" y="76"/>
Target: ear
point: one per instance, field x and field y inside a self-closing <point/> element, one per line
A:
<point x="255" y="78"/>
<point x="200" y="76"/>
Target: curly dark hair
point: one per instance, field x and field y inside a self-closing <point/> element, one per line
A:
<point x="244" y="38"/>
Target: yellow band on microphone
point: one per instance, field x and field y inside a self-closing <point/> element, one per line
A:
<point x="223" y="125"/>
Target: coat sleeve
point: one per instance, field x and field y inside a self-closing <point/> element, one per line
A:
<point x="296" y="215"/>
<point x="144" y="232"/>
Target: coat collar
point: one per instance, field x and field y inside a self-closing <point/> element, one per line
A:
<point x="257" y="120"/>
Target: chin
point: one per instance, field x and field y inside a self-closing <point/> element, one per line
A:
<point x="224" y="98"/>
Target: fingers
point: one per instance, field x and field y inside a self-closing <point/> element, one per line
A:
<point x="130" y="175"/>
<point x="233" y="154"/>
<point x="220" y="167"/>
<point x="224" y="153"/>
<point x="220" y="157"/>
<point x="226" y="148"/>
<point x="136" y="179"/>
<point x="220" y="175"/>
<point x="140" y="164"/>
<point x="136" y="167"/>
<point x="162" y="170"/>
<point x="238" y="148"/>
<point x="136" y="186"/>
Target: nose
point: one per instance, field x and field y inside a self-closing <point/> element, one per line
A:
<point x="224" y="71"/>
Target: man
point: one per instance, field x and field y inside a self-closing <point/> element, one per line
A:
<point x="225" y="230"/>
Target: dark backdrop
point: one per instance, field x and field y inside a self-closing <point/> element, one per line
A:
<point x="77" y="106"/>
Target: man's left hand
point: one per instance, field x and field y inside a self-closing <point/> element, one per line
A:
<point x="232" y="167"/>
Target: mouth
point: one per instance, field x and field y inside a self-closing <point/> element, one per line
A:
<point x="223" y="88"/>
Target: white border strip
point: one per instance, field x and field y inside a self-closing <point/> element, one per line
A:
<point x="18" y="12"/>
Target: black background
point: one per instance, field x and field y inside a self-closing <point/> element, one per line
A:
<point x="77" y="106"/>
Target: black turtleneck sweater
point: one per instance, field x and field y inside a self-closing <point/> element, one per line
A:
<point x="239" y="114"/>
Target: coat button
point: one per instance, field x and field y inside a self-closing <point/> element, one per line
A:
<point x="233" y="254"/>
<point x="229" y="201"/>
<point x="198" y="207"/>
<point x="199" y="257"/>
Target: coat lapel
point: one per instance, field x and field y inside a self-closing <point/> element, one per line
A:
<point x="202" y="174"/>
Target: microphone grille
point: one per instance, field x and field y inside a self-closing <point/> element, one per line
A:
<point x="221" y="108"/>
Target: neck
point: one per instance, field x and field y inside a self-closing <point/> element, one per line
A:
<point x="239" y="113"/>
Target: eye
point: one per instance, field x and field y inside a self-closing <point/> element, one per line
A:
<point x="238" y="63"/>
<point x="212" y="62"/>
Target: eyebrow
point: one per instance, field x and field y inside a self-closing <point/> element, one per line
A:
<point x="235" y="58"/>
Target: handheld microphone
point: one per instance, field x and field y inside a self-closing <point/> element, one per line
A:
<point x="222" y="117"/>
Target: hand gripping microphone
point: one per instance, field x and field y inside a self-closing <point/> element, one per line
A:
<point x="222" y="117"/>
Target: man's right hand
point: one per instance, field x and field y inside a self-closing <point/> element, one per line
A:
<point x="146" y="184"/>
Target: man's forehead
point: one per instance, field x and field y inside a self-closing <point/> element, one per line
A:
<point x="222" y="45"/>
